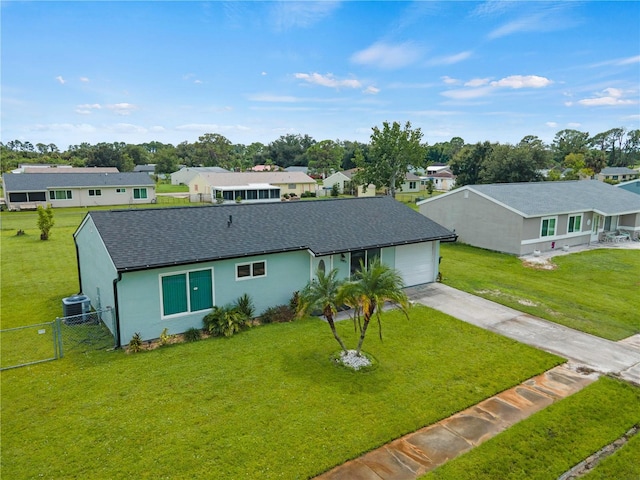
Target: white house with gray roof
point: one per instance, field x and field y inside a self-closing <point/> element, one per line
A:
<point x="25" y="191"/>
<point x="519" y="218"/>
<point x="166" y="268"/>
<point x="617" y="174"/>
<point x="186" y="174"/>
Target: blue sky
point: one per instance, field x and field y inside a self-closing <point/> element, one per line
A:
<point x="133" y="72"/>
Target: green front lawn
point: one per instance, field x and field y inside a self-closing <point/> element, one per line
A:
<point x="552" y="441"/>
<point x="266" y="403"/>
<point x="594" y="291"/>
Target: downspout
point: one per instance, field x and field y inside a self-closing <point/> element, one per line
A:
<point x="116" y="309"/>
<point x="78" y="264"/>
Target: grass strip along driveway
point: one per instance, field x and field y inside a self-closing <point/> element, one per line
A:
<point x="594" y="291"/>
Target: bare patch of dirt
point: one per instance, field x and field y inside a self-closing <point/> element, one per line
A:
<point x="539" y="264"/>
<point x="527" y="303"/>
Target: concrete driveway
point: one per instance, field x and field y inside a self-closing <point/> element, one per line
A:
<point x="617" y="358"/>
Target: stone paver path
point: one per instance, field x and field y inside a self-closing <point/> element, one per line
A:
<point x="417" y="453"/>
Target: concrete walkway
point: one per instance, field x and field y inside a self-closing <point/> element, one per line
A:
<point x="417" y="453"/>
<point x="599" y="354"/>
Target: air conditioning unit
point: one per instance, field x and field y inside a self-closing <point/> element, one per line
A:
<point x="76" y="305"/>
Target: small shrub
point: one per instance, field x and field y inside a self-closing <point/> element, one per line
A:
<point x="135" y="344"/>
<point x="245" y="306"/>
<point x="192" y="335"/>
<point x="45" y="221"/>
<point x="294" y="302"/>
<point x="277" y="314"/>
<point x="335" y="190"/>
<point x="226" y="321"/>
<point x="165" y="338"/>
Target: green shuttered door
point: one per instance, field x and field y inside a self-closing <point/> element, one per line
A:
<point x="200" y="290"/>
<point x="174" y="298"/>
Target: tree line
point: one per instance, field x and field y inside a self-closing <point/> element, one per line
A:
<point x="393" y="150"/>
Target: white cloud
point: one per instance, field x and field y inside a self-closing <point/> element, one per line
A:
<point x="388" y="56"/>
<point x="211" y="127"/>
<point x="263" y="73"/>
<point x="86" y="109"/>
<point x="128" y="128"/>
<point x="84" y="79"/>
<point x="466" y="94"/>
<point x="449" y="80"/>
<point x="265" y="97"/>
<point x="522" y="81"/>
<point x="451" y="59"/>
<point x="122" y="108"/>
<point x="608" y="97"/>
<point x="551" y="124"/>
<point x="574" y="125"/>
<point x="65" y="127"/>
<point x="477" y="82"/>
<point x="618" y="62"/>
<point x="328" y="80"/>
<point x="287" y="15"/>
<point x="61" y="80"/>
<point x="371" y="90"/>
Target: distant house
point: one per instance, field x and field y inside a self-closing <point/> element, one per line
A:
<point x="194" y="258"/>
<point x="66" y="169"/>
<point x="617" y="174"/>
<point x="186" y="174"/>
<point x="249" y="186"/>
<point x="443" y="180"/>
<point x="265" y="168"/>
<point x="411" y="183"/>
<point x="344" y="180"/>
<point x="632" y="186"/>
<point x="149" y="169"/>
<point x="519" y="218"/>
<point x="25" y="191"/>
<point x="295" y="168"/>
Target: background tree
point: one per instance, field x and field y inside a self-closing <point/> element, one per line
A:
<point x="166" y="160"/>
<point x="577" y="167"/>
<point x="372" y="286"/>
<point x="569" y="141"/>
<point x="322" y="293"/>
<point x="45" y="221"/>
<point x="508" y="164"/>
<point x="325" y="157"/>
<point x="468" y="162"/>
<point x="213" y="150"/>
<point x="393" y="149"/>
<point x="289" y="150"/>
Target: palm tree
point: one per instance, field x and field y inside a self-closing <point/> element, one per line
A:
<point x="369" y="289"/>
<point x="322" y="293"/>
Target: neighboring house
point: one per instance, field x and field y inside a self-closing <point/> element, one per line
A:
<point x="344" y="180"/>
<point x="617" y="174"/>
<point x="166" y="268"/>
<point x="411" y="183"/>
<point x="27" y="191"/>
<point x="443" y="180"/>
<point x="67" y="169"/>
<point x="186" y="174"/>
<point x="149" y="169"/>
<point x="295" y="168"/>
<point x="249" y="186"/>
<point x="630" y="185"/>
<point x="265" y="168"/>
<point x="520" y="218"/>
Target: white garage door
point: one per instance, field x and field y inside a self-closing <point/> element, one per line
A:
<point x="415" y="263"/>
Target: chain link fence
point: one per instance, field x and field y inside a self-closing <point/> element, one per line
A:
<point x="43" y="342"/>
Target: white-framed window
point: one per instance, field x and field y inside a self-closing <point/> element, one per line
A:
<point x="245" y="271"/>
<point x="548" y="227"/>
<point x="574" y="224"/>
<point x="412" y="185"/>
<point x="95" y="193"/>
<point x="121" y="190"/>
<point x="60" y="195"/>
<point x="186" y="292"/>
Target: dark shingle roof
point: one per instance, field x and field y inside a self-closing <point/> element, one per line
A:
<point x="548" y="198"/>
<point x="42" y="181"/>
<point x="146" y="238"/>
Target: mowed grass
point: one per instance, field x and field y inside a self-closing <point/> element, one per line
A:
<point x="267" y="403"/>
<point x="552" y="441"/>
<point x="596" y="291"/>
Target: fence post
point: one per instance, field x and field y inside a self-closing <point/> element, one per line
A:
<point x="58" y="338"/>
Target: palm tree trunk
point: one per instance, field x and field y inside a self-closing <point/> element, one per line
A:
<point x="335" y="333"/>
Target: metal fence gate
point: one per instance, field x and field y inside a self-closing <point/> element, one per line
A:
<point x="47" y="341"/>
